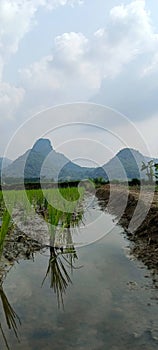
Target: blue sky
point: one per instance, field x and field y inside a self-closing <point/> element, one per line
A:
<point x="62" y="51"/>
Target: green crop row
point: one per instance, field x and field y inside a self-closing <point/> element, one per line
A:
<point x="58" y="206"/>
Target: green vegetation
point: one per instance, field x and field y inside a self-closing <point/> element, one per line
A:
<point x="4" y="228"/>
<point x="134" y="182"/>
<point x="62" y="210"/>
<point x="57" y="206"/>
<point x="59" y="277"/>
<point x="99" y="181"/>
<point x="10" y="316"/>
<point x="149" y="170"/>
<point x="5" y="224"/>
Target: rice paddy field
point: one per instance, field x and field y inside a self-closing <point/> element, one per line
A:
<point x="54" y="205"/>
<point x="66" y="276"/>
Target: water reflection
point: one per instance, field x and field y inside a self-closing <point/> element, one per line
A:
<point x="140" y="248"/>
<point x="9" y="313"/>
<point x="61" y="256"/>
<point x="61" y="264"/>
<point x="101" y="310"/>
<point x="59" y="277"/>
<point x="12" y="319"/>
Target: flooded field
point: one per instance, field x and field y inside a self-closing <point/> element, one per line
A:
<point x="75" y="285"/>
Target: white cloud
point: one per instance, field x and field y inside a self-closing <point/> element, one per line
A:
<point x="71" y="45"/>
<point x="78" y="65"/>
<point x="51" y="4"/>
<point x="17" y="17"/>
<point x="152" y="67"/>
<point x="148" y="129"/>
<point x="67" y="74"/>
<point x="129" y="34"/>
<point x="10" y="99"/>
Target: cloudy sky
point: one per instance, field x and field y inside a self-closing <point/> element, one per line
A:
<point x="57" y="52"/>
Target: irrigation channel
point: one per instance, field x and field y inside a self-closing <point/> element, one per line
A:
<point x="74" y="284"/>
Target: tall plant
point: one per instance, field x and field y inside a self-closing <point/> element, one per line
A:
<point x="149" y="170"/>
<point x="4" y="228"/>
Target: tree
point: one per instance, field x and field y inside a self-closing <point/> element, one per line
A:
<point x="149" y="170"/>
<point x="156" y="170"/>
<point x="134" y="182"/>
<point x="99" y="181"/>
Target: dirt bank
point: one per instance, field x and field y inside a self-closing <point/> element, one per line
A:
<point x="17" y="246"/>
<point x="145" y="238"/>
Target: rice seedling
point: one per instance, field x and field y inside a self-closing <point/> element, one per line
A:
<point x="10" y="316"/>
<point x="59" y="277"/>
<point x="4" y="228"/>
<point x="1" y="200"/>
<point x="62" y="210"/>
<point x="57" y="206"/>
<point x="64" y="199"/>
<point x="62" y="249"/>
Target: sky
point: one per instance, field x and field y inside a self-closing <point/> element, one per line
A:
<point x="82" y="73"/>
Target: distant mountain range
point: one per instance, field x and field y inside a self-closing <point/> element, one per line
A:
<point x="4" y="162"/>
<point x="127" y="164"/>
<point x="42" y="161"/>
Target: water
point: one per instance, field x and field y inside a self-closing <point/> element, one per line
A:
<point x="110" y="304"/>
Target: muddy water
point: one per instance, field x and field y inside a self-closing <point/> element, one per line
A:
<point x="110" y="302"/>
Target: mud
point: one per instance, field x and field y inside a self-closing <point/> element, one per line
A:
<point x="144" y="240"/>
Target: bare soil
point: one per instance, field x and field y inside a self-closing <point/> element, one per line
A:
<point x="145" y="237"/>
